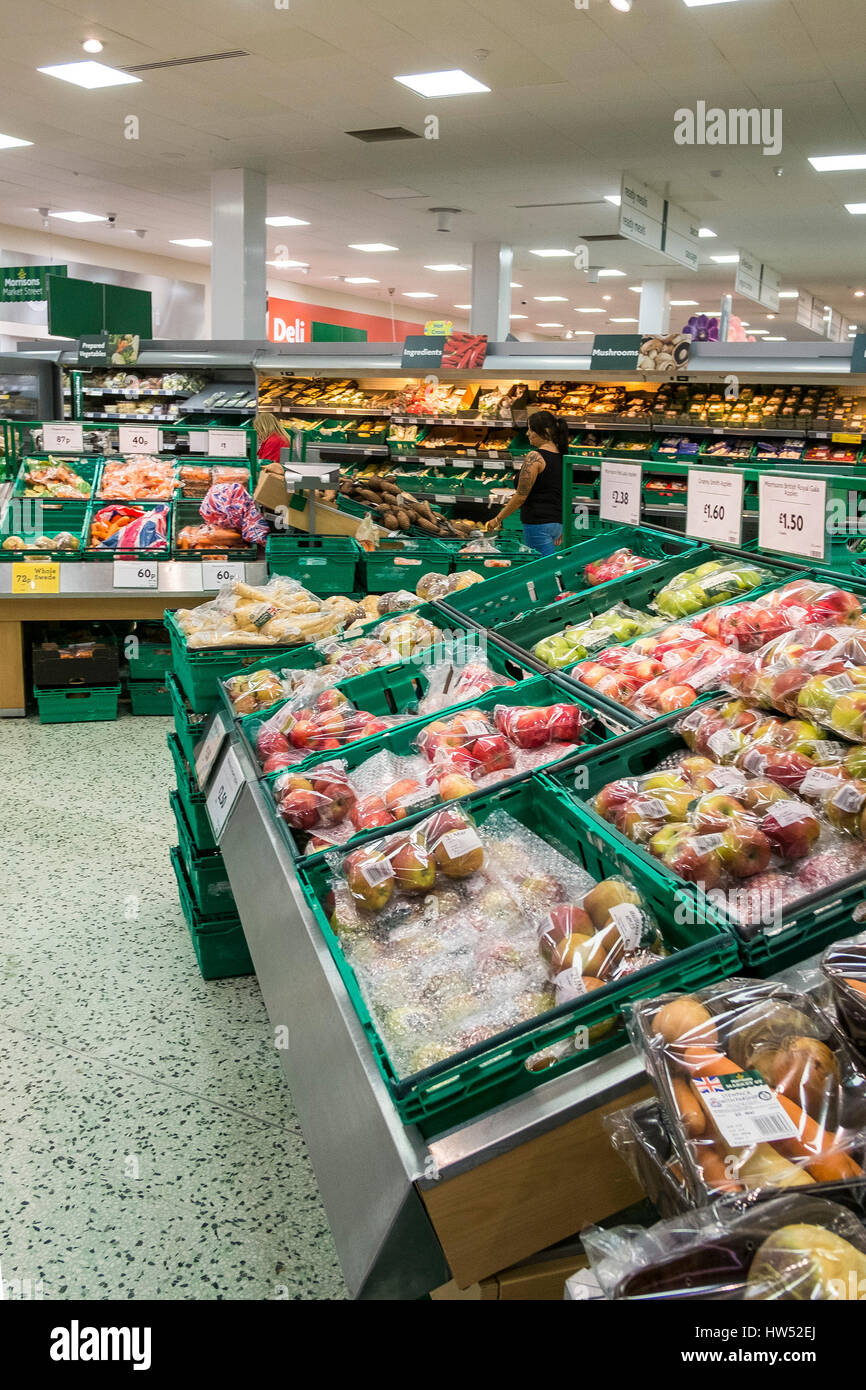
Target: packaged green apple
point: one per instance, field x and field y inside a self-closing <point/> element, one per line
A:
<point x="583" y="640"/>
<point x="457" y="931"/>
<point x="758" y="1087"/>
<point x="796" y="1247"/>
<point x="749" y="843"/>
<point x="706" y="585"/>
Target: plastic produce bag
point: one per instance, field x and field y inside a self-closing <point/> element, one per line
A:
<point x="280" y="612"/>
<point x="256" y="691"/>
<point x="451" y="682"/>
<point x="583" y="640"/>
<point x="613" y="566"/>
<point x="141" y="478"/>
<point x="445" y="927"/>
<point x="758" y="1087"/>
<point x="314" y="720"/>
<point x="844" y="966"/>
<point x="706" y="585"/>
<point x="794" y="1247"/>
<point x="639" y="1135"/>
<point x="432" y="586"/>
<point x="118" y="527"/>
<point x="322" y="796"/>
<point x="230" y="506"/>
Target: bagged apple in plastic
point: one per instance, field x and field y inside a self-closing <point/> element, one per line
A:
<point x="583" y="640"/>
<point x="613" y="566"/>
<point x="319" y="797"/>
<point x="759" y="1087"/>
<point x="844" y="966"/>
<point x="707" y="584"/>
<point x="451" y="681"/>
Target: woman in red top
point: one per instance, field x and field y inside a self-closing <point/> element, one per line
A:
<point x="272" y="437"/>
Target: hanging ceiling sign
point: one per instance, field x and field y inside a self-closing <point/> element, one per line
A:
<point x="26" y="282"/>
<point x="649" y="219"/>
<point x="757" y="281"/>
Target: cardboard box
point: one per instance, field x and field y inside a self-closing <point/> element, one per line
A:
<point x="271" y="491"/>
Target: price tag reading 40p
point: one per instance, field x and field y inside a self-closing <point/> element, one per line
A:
<point x="227" y="782"/>
<point x="57" y="437"/>
<point x="226" y="444"/>
<point x="136" y="574"/>
<point x="216" y="573"/>
<point x="792" y="516"/>
<point x="620" y="492"/>
<point x="138" y="439"/>
<point x="715" y="506"/>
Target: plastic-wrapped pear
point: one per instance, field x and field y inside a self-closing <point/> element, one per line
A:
<point x="807" y="1263"/>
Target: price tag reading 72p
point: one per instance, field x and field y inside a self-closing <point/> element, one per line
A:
<point x="792" y="516"/>
<point x="715" y="506"/>
<point x="227" y="782"/>
<point x="620" y="492"/>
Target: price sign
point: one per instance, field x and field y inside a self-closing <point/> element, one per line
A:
<point x="227" y="782"/>
<point x="57" y="437"/>
<point x="620" y="492"/>
<point x="792" y="516"/>
<point x="206" y="751"/>
<point x="226" y="444"/>
<point x="715" y="506"/>
<point x="443" y="498"/>
<point x="43" y="577"/>
<point x="490" y="466"/>
<point x="216" y="573"/>
<point x="847" y="438"/>
<point x="138" y="439"/>
<point x="136" y="574"/>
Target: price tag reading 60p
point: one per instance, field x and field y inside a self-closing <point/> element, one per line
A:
<point x="715" y="506"/>
<point x="216" y="573"/>
<point x="136" y="574"/>
<point x="792" y="516"/>
<point x="620" y="492"/>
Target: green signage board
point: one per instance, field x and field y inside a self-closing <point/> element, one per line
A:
<point x="108" y="349"/>
<point x="858" y="353"/>
<point x="26" y="282"/>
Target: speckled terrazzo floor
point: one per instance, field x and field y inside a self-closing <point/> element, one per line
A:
<point x="148" y="1143"/>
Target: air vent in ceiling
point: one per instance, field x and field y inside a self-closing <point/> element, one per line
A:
<point x="185" y="62"/>
<point x="380" y="134"/>
<point x="604" y="236"/>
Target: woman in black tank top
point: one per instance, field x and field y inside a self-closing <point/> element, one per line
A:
<point x="539" y="486"/>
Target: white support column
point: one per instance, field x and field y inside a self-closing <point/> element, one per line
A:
<point x="655" y="310"/>
<point x="491" y="289"/>
<point x="237" y="258"/>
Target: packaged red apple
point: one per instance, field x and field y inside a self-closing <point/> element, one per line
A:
<point x="255" y="691"/>
<point x="450" y="682"/>
<point x="322" y="797"/>
<point x="758" y="1086"/>
<point x="751" y="845"/>
<point x="824" y="682"/>
<point x="311" y="723"/>
<point x="397" y="638"/>
<point x="445" y="926"/>
<point x="614" y="566"/>
<point x="797" y="1246"/>
<point x="844" y="965"/>
<point x="660" y="673"/>
<point x="680" y="686"/>
<point x="476" y="743"/>
<point x="755" y="623"/>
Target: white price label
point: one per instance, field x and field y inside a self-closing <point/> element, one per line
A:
<point x="792" y="516"/>
<point x="715" y="506"/>
<point x="136" y="574"/>
<point x="205" y="753"/>
<point x="216" y="573"/>
<point x="744" y="1109"/>
<point x="56" y="437"/>
<point x="491" y="466"/>
<point x="227" y="782"/>
<point x="138" y="439"/>
<point x="226" y="444"/>
<point x="620" y="492"/>
<point x="443" y="498"/>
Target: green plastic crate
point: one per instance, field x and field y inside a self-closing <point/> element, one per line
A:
<point x="192" y="800"/>
<point x="76" y="705"/>
<point x="206" y="872"/>
<point x="323" y="564"/>
<point x="807" y="925"/>
<point x="149" y="656"/>
<point x="87" y="466"/>
<point x="494" y="1072"/>
<point x="510" y="555"/>
<point x="32" y="552"/>
<point x="200" y="669"/>
<point x="107" y="555"/>
<point x="219" y="943"/>
<point x="536" y="690"/>
<point x="186" y="513"/>
<point x="396" y="689"/>
<point x="188" y="726"/>
<point x="399" y="564"/>
<point x="504" y="597"/>
<point x="150" y="697"/>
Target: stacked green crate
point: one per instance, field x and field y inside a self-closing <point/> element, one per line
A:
<point x="75" y="675"/>
<point x="148" y="652"/>
<point x="204" y="889"/>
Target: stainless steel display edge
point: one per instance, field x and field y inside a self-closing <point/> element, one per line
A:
<point x="366" y="1161"/>
<point x="96" y="579"/>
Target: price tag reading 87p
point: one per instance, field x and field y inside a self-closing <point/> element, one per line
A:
<point x="621" y="485"/>
<point x="715" y="506"/>
<point x="58" y="437"/>
<point x="792" y="516"/>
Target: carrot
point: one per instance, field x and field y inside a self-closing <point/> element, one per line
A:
<point x="855" y="984"/>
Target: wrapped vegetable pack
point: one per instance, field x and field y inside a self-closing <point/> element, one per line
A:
<point x="140" y="478"/>
<point x="758" y="1087"/>
<point x="432" y="586"/>
<point x="118" y="527"/>
<point x="795" y="1247"/>
<point x="745" y="840"/>
<point x="582" y="640"/>
<point x="449" y="930"/>
<point x="614" y="566"/>
<point x="706" y="585"/>
<point x="54" y="479"/>
<point x="279" y="613"/>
